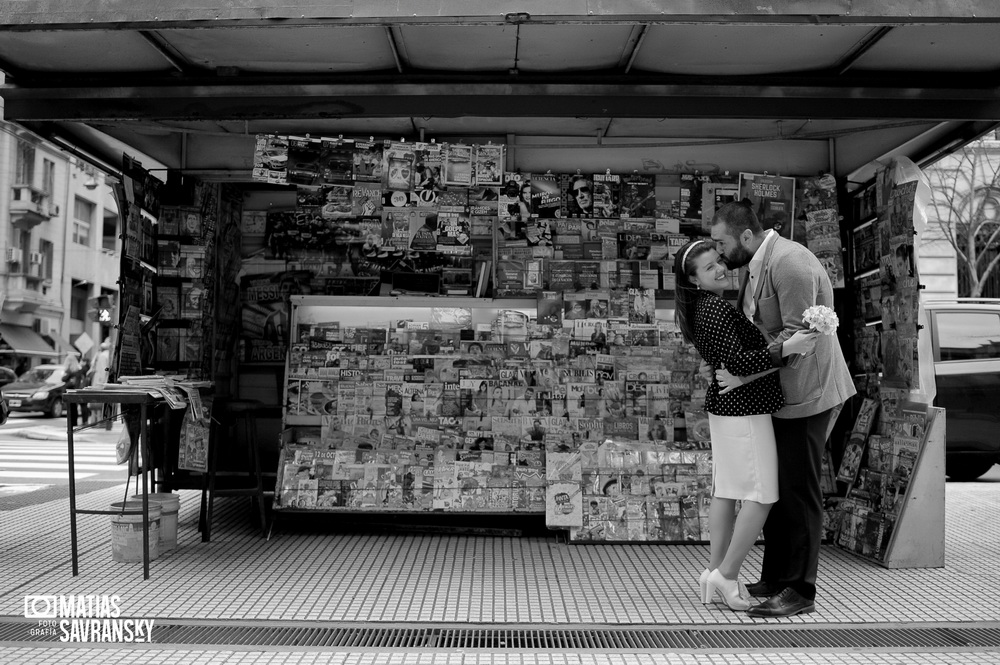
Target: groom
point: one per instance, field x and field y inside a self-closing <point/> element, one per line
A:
<point x="783" y="279"/>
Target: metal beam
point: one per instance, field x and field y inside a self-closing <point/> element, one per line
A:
<point x="169" y="53"/>
<point x="159" y="15"/>
<point x="862" y="47"/>
<point x="241" y="101"/>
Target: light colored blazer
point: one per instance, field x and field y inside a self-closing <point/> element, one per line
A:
<point x="792" y="279"/>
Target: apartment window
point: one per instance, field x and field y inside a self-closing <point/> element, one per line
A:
<point x="110" y="233"/>
<point x="78" y="300"/>
<point x="47" y="250"/>
<point x="24" y="244"/>
<point x="24" y="170"/>
<point x="83" y="217"/>
<point x="48" y="176"/>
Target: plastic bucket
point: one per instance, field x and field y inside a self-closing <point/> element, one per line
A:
<point x="170" y="504"/>
<point x="126" y="532"/>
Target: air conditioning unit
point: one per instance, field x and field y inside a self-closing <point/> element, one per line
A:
<point x="14" y="255"/>
<point x="46" y="326"/>
<point x="53" y="210"/>
<point x="35" y="258"/>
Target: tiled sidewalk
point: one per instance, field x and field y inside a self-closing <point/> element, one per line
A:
<point x="427" y="578"/>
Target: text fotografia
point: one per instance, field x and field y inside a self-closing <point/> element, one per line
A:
<point x="85" y="618"/>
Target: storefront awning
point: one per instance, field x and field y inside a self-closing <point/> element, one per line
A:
<point x="24" y="341"/>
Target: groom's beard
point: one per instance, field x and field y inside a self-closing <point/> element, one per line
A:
<point x="738" y="258"/>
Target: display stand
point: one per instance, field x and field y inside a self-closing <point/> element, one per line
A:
<point x="146" y="403"/>
<point x="918" y="539"/>
<point x="304" y="475"/>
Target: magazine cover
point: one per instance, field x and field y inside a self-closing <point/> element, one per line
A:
<point x="642" y="305"/>
<point x="458" y="165"/>
<point x="304" y="160"/>
<point x="489" y="163"/>
<point x="270" y="160"/>
<point x="366" y="199"/>
<point x="577" y="195"/>
<point x="638" y="196"/>
<point x="822" y="231"/>
<point x="399" y="165"/>
<point x="368" y="161"/>
<point x="337" y="161"/>
<point x="428" y="171"/>
<point x="550" y="308"/>
<point x="851" y="460"/>
<point x="607" y="195"/>
<point x="546" y="199"/>
<point x="714" y="195"/>
<point x="773" y="199"/>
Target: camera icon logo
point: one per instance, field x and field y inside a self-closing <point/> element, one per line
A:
<point x="40" y="607"/>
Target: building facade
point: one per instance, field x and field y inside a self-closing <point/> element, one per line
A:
<point x="60" y="250"/>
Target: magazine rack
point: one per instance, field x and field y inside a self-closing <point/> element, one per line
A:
<point x="386" y="409"/>
<point x="917" y="537"/>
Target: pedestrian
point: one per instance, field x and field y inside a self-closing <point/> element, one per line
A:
<point x="744" y="456"/>
<point x="98" y="379"/>
<point x="81" y="379"/>
<point x="783" y="280"/>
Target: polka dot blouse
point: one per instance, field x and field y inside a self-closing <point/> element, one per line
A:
<point x="724" y="337"/>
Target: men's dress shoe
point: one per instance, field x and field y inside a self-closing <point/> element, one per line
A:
<point x="762" y="588"/>
<point x="787" y="603"/>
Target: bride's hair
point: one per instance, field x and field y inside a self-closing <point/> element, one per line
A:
<point x="686" y="294"/>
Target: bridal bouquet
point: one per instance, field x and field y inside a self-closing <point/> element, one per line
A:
<point x="821" y="318"/>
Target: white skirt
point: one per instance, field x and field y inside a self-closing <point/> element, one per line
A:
<point x="744" y="458"/>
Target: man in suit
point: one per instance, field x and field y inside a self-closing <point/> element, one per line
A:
<point x="783" y="279"/>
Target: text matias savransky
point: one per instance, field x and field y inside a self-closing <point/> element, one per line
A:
<point x="86" y="618"/>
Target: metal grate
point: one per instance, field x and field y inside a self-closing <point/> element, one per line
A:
<point x="600" y="638"/>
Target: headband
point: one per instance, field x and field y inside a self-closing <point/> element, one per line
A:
<point x="687" y="251"/>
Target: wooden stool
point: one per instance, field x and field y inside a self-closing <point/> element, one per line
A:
<point x="237" y="421"/>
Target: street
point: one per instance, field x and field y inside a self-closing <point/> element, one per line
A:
<point x="33" y="459"/>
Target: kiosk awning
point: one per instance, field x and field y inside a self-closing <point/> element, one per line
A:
<point x="802" y="86"/>
<point x="24" y="341"/>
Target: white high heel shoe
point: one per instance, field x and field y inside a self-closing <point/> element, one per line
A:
<point x="733" y="592"/>
<point x="706" y="598"/>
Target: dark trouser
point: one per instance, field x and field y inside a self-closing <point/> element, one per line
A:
<point x="794" y="527"/>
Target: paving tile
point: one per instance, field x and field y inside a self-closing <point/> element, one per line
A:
<point x="430" y="577"/>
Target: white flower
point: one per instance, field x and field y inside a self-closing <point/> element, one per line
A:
<point x="821" y="318"/>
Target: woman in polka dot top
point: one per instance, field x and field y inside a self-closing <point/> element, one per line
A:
<point x="744" y="458"/>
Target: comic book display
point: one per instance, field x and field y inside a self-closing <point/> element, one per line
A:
<point x="881" y="459"/>
<point x="627" y="490"/>
<point x="463" y="410"/>
<point x="879" y="475"/>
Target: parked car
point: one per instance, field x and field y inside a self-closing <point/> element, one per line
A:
<point x="39" y="389"/>
<point x="965" y="334"/>
<point x="7" y="375"/>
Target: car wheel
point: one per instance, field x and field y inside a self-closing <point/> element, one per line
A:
<point x="57" y="410"/>
<point x="969" y="469"/>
